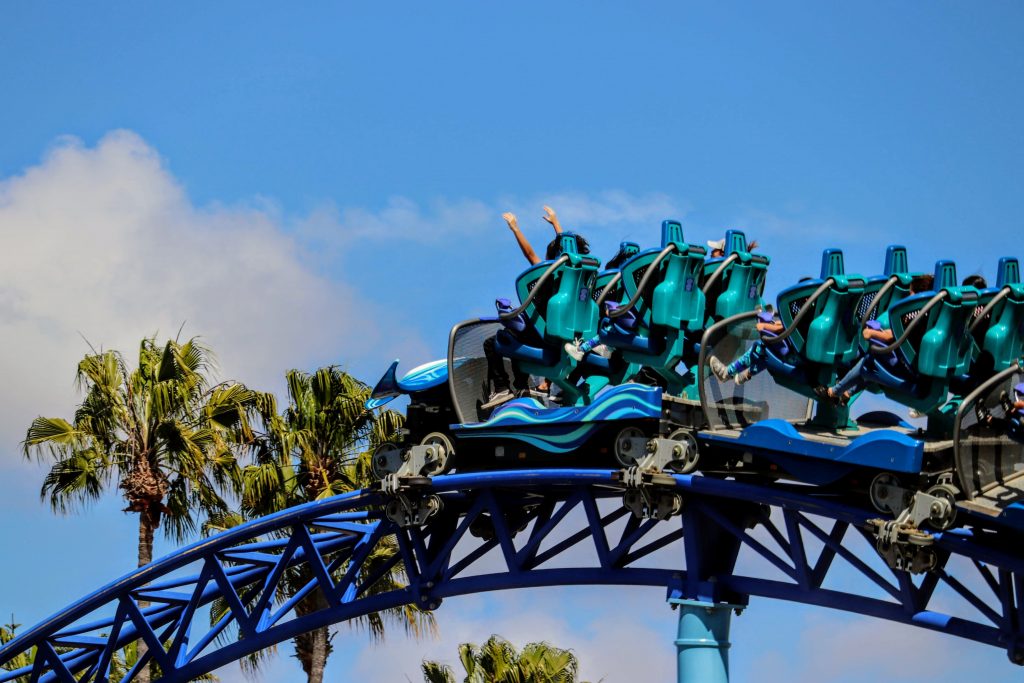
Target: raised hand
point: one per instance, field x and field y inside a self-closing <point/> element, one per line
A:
<point x="552" y="218"/>
<point x="510" y="218"/>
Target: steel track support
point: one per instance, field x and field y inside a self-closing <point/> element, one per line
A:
<point x="702" y="640"/>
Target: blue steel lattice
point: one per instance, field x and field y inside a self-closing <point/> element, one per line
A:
<point x="535" y="522"/>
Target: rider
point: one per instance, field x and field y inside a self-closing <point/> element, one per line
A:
<point x="875" y="331"/>
<point x="754" y="360"/>
<point x="501" y="391"/>
<point x="579" y="348"/>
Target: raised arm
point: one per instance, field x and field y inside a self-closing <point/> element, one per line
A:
<point x="552" y="218"/>
<point x="524" y="244"/>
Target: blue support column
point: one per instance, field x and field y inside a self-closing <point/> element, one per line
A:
<point x="702" y="640"/>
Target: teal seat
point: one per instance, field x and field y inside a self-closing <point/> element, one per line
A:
<point x="827" y="333"/>
<point x="822" y="329"/>
<point x="734" y="283"/>
<point x="661" y="289"/>
<point x="558" y="303"/>
<point x="998" y="326"/>
<point x="881" y="291"/>
<point x="932" y="343"/>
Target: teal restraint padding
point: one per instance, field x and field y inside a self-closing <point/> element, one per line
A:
<point x="833" y="336"/>
<point x="938" y="348"/>
<point x="896" y="262"/>
<point x="1009" y="272"/>
<point x="678" y="301"/>
<point x="1002" y="332"/>
<point x="566" y="310"/>
<point x="741" y="286"/>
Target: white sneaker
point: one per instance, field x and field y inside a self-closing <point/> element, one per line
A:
<point x="573" y="349"/>
<point x="743" y="376"/>
<point x="497" y="398"/>
<point x="602" y="350"/>
<point x="719" y="368"/>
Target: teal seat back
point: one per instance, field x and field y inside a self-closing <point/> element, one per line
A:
<point x="740" y="287"/>
<point x="678" y="301"/>
<point x="572" y="311"/>
<point x="833" y="335"/>
<point x="1003" y="335"/>
<point x="897" y="270"/>
<point x="566" y="309"/>
<point x="938" y="347"/>
<point x="673" y="298"/>
<point x="829" y="334"/>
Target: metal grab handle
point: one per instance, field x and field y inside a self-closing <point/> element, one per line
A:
<point x="608" y="289"/>
<point x="922" y="314"/>
<point x="889" y="284"/>
<point x="622" y="310"/>
<point x="536" y="288"/>
<point x="718" y="271"/>
<point x="1000" y="295"/>
<point x="784" y="335"/>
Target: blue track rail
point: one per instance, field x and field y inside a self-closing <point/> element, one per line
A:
<point x="501" y="530"/>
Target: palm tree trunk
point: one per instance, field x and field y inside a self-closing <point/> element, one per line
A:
<point x="314" y="647"/>
<point x="147" y="523"/>
<point x="313" y="652"/>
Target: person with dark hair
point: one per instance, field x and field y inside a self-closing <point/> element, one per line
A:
<point x="554" y="246"/>
<point x="501" y="389"/>
<point x="878" y="332"/>
<point x="976" y="281"/>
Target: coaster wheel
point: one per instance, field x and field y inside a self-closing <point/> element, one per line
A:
<point x="630" y="446"/>
<point x="887" y="493"/>
<point x="687" y="462"/>
<point x="386" y="459"/>
<point x="443" y="456"/>
<point x="942" y="519"/>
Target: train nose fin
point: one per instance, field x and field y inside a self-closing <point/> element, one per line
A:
<point x="386" y="388"/>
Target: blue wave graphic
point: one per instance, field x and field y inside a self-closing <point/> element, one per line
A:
<point x="618" y="403"/>
<point x="560" y="430"/>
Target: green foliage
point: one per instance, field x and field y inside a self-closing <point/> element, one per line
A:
<point x="318" y="447"/>
<point x="498" y="661"/>
<point x="161" y="433"/>
<point x="23" y="659"/>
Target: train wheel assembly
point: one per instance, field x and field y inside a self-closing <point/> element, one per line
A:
<point x="440" y="453"/>
<point x="386" y="459"/>
<point x="630" y="446"/>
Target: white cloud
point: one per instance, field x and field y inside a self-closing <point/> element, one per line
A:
<point x="103" y="243"/>
<point x="442" y="220"/>
<point x="608" y="648"/>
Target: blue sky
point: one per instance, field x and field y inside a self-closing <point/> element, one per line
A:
<point x="337" y="172"/>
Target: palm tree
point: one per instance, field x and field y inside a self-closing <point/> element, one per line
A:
<point x="163" y="433"/>
<point x="23" y="659"/>
<point x="498" y="661"/>
<point x="320" y="447"/>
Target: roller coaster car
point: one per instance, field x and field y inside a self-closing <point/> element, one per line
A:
<point x="880" y="453"/>
<point x="603" y="420"/>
